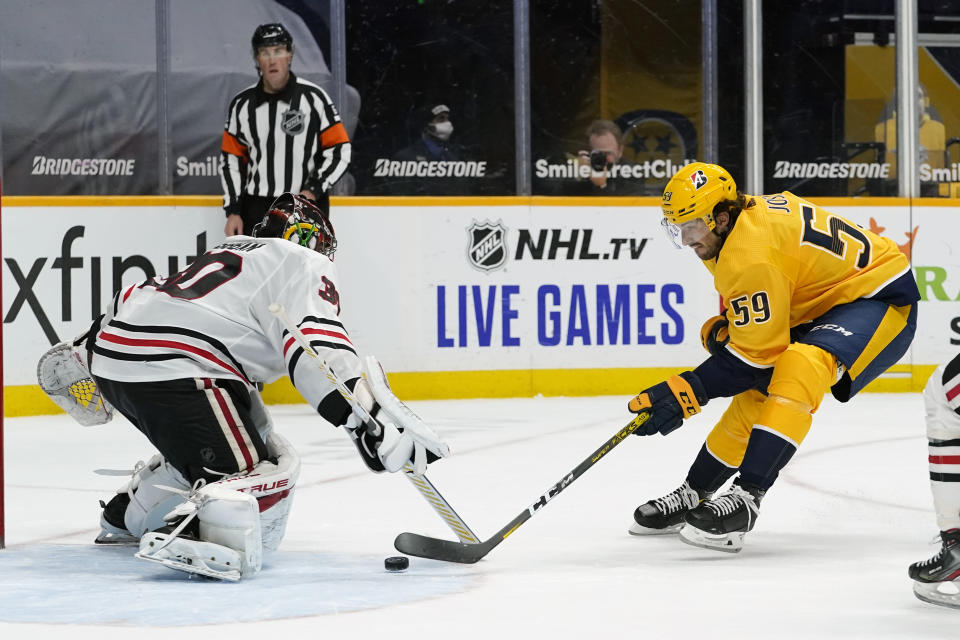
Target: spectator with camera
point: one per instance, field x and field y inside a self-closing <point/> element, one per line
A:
<point x="605" y="159"/>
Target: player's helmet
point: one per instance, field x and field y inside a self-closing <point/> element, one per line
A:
<point x="268" y="35"/>
<point x="692" y="193"/>
<point x="295" y="218"/>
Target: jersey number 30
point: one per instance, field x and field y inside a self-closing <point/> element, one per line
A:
<point x="202" y="276"/>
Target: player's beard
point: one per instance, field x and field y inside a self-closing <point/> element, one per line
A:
<point x="711" y="251"/>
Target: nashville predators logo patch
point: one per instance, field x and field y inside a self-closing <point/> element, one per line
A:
<point x="292" y="122"/>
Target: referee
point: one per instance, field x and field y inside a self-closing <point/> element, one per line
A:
<point x="282" y="134"/>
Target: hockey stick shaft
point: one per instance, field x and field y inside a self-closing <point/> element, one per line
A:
<point x="449" y="551"/>
<point x="281" y="313"/>
<point x="422" y="483"/>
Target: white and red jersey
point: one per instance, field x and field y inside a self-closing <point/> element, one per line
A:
<point x="950" y="379"/>
<point x="941" y="399"/>
<point x="211" y="320"/>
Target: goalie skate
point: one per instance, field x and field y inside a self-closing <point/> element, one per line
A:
<point x="112" y="535"/>
<point x="191" y="556"/>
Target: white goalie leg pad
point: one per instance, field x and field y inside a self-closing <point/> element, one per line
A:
<point x="232" y="519"/>
<point x="62" y="374"/>
<point x="230" y="545"/>
<point x="272" y="486"/>
<point x="191" y="556"/>
<point x="408" y="423"/>
<point x="150" y="495"/>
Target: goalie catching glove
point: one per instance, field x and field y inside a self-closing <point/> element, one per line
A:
<point x="63" y="375"/>
<point x="668" y="403"/>
<point x="398" y="435"/>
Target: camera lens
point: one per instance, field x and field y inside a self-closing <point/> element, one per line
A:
<point x="598" y="160"/>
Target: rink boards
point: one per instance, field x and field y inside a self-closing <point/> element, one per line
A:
<point x="457" y="297"/>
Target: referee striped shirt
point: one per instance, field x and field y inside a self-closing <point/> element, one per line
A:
<point x="287" y="141"/>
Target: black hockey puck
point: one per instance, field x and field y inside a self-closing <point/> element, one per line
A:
<point x="396" y="563"/>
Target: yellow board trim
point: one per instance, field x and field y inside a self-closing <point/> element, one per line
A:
<point x="112" y="201"/>
<point x="438" y="201"/>
<point x="29" y="400"/>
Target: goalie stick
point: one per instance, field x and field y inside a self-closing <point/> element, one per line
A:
<point x="414" y="544"/>
<point x="421" y="482"/>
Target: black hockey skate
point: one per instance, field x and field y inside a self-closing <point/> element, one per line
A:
<point x="112" y="528"/>
<point x="721" y="523"/>
<point x="937" y="579"/>
<point x="665" y="515"/>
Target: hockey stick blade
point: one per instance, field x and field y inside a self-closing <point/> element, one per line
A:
<point x="414" y="544"/>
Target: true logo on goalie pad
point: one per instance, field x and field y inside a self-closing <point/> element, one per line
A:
<point x="487" y="246"/>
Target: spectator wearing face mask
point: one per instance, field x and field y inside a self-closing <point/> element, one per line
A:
<point x="442" y="167"/>
<point x="434" y="142"/>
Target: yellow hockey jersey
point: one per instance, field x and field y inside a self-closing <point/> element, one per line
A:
<point x="788" y="261"/>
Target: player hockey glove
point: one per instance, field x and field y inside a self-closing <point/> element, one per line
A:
<point x="715" y="334"/>
<point x="669" y="402"/>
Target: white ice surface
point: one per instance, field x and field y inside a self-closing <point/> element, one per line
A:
<point x="828" y="557"/>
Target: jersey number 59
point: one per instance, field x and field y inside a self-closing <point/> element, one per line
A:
<point x="754" y="307"/>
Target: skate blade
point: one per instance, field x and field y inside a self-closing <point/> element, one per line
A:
<point x="725" y="542"/>
<point x="639" y="530"/>
<point x="116" y="540"/>
<point x="944" y="594"/>
<point x="195" y="568"/>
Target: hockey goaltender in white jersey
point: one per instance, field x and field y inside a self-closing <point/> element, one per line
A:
<point x="181" y="357"/>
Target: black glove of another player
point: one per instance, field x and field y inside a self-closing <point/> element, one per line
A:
<point x="715" y="334"/>
<point x="669" y="402"/>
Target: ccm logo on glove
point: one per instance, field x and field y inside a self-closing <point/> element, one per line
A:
<point x="669" y="403"/>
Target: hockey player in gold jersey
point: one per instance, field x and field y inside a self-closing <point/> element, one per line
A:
<point x="812" y="302"/>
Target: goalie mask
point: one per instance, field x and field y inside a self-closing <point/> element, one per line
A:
<point x="691" y="196"/>
<point x="295" y="218"/>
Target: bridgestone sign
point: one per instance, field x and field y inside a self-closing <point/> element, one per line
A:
<point x="784" y="169"/>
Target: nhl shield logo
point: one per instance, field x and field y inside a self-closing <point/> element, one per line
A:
<point x="292" y="123"/>
<point x="487" y="245"/>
